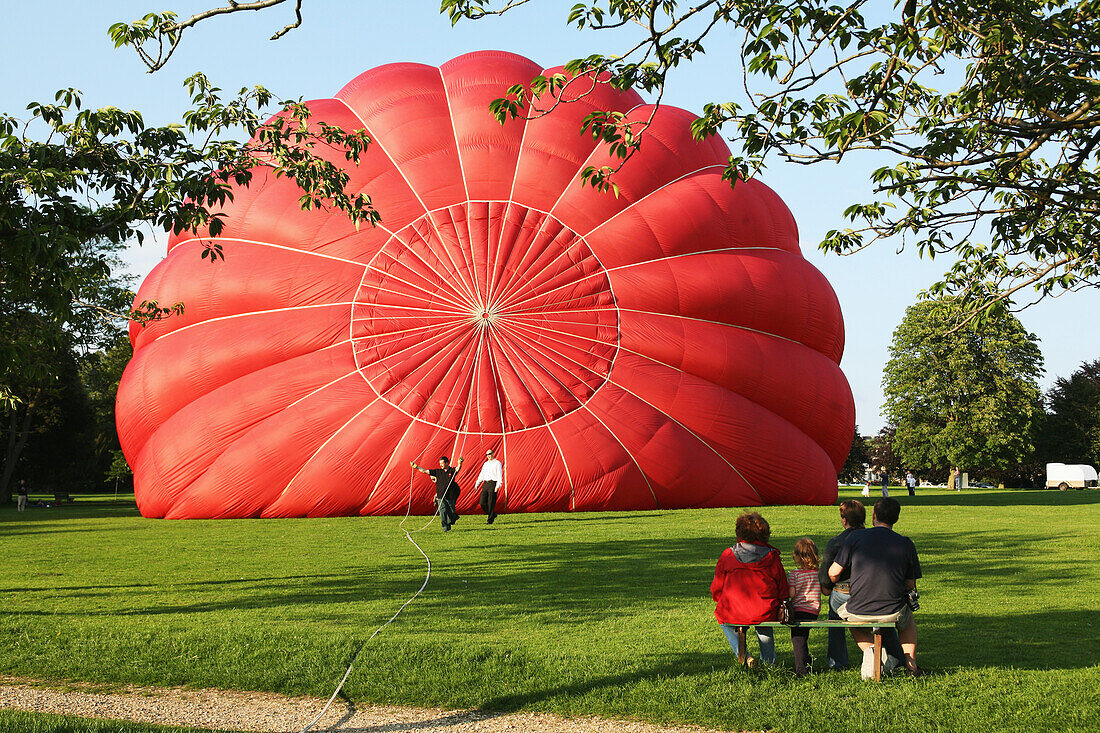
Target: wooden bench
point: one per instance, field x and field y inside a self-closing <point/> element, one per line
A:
<point x="876" y="631"/>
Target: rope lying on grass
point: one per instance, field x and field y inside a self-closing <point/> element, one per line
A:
<point x="427" y="576"/>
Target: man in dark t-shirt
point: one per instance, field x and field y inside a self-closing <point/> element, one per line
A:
<point x="446" y="489"/>
<point x="884" y="567"/>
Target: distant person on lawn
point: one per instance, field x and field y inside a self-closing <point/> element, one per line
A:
<point x="749" y="584"/>
<point x="21" y="496"/>
<point x="805" y="596"/>
<point x="884" y="568"/>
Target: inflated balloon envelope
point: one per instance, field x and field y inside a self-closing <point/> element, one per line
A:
<point x="666" y="347"/>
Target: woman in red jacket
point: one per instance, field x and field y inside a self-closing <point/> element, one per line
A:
<point x="749" y="584"/>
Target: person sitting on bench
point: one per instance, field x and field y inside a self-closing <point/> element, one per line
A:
<point x="749" y="584"/>
<point x="884" y="569"/>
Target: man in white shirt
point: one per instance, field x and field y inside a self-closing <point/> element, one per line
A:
<point x="490" y="479"/>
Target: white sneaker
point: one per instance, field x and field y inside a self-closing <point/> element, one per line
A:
<point x="867" y="669"/>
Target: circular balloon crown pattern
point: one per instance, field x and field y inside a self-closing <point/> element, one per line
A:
<point x="666" y="346"/>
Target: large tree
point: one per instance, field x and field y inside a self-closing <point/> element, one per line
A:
<point x="987" y="111"/>
<point x="965" y="397"/>
<point x="1071" y="430"/>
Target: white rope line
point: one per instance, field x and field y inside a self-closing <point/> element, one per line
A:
<point x="427" y="577"/>
<point x="421" y="343"/>
<point x="436" y="292"/>
<point x="503" y="422"/>
<point x="606" y="271"/>
<point x="657" y="190"/>
<point x="462" y="425"/>
<point x="454" y="132"/>
<point x="249" y="313"/>
<point x="284" y="247"/>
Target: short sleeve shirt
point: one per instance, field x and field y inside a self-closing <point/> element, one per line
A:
<point x="880" y="560"/>
<point x="444" y="480"/>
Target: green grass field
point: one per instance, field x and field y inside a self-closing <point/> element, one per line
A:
<point x="585" y="614"/>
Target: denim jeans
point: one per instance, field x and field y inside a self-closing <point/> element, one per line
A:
<point x="838" y="639"/>
<point x="763" y="634"/>
<point x="838" y="642"/>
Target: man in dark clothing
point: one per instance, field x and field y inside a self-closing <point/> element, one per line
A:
<point x="852" y="518"/>
<point x="446" y="489"/>
<point x="884" y="567"/>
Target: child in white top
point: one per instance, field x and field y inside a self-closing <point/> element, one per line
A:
<point x="806" y="599"/>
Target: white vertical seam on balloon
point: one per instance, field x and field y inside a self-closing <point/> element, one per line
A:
<point x="248" y="313"/>
<point x="511" y="194"/>
<point x="454" y="132"/>
<point x="564" y="463"/>
<point x="375" y="141"/>
<point x="469" y="393"/>
<point x="660" y="188"/>
<point x="503" y="428"/>
<point x="382" y="474"/>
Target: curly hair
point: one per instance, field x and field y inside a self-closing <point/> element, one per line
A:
<point x="753" y="528"/>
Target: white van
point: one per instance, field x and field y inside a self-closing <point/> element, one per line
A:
<point x="1066" y="476"/>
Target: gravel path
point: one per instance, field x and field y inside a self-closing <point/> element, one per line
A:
<point x="269" y="713"/>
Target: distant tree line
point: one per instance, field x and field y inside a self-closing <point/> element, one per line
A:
<point x="967" y="399"/>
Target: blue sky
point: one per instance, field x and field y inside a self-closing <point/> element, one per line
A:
<point x="47" y="45"/>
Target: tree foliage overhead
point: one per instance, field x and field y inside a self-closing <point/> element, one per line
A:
<point x="988" y="111"/>
<point x="76" y="184"/>
<point x="964" y="397"/>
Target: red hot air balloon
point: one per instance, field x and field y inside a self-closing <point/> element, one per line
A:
<point x="665" y="347"/>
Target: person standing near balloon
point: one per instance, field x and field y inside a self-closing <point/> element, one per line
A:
<point x="490" y="479"/>
<point x="446" y="489"/>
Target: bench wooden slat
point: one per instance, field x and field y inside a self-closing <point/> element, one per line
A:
<point x="876" y="630"/>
